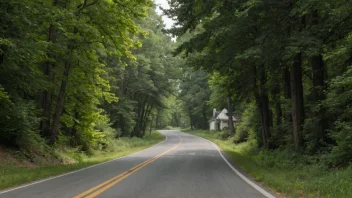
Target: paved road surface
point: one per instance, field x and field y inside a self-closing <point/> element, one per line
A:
<point x="183" y="166"/>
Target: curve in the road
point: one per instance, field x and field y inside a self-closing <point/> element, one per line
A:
<point x="194" y="168"/>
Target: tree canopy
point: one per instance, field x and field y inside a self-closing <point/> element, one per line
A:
<point x="289" y="58"/>
<point x="80" y="72"/>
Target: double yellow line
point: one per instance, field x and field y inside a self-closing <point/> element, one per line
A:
<point x="97" y="190"/>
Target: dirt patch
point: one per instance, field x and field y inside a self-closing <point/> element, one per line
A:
<point x="26" y="159"/>
<point x="7" y="157"/>
<point x="45" y="159"/>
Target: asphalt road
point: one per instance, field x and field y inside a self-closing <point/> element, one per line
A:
<point x="183" y="166"/>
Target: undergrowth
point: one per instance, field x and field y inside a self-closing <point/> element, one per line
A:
<point x="73" y="159"/>
<point x="286" y="172"/>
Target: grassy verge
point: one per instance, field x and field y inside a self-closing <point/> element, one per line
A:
<point x="286" y="173"/>
<point x="12" y="175"/>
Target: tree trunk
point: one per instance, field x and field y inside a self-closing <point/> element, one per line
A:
<point x="60" y="102"/>
<point x="275" y="92"/>
<point x="46" y="96"/>
<point x="140" y="118"/>
<point x="151" y="124"/>
<point x="262" y="102"/>
<point x="276" y="101"/>
<point x="266" y="118"/>
<point x="73" y="132"/>
<point x="142" y="121"/>
<point x="318" y="77"/>
<point x="2" y="57"/>
<point x="287" y="82"/>
<point x="157" y="124"/>
<point x="190" y="118"/>
<point x="62" y="94"/>
<point x="297" y="100"/>
<point x="278" y="113"/>
<point x="137" y="127"/>
<point x="231" y="131"/>
<point x="286" y="113"/>
<point x="46" y="105"/>
<point x="146" y="119"/>
<point x="122" y="128"/>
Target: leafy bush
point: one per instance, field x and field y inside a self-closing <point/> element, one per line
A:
<point x="19" y="124"/>
<point x="222" y="135"/>
<point x="341" y="154"/>
<point x="6" y="109"/>
<point x="248" y="126"/>
<point x="27" y="124"/>
<point x="338" y="103"/>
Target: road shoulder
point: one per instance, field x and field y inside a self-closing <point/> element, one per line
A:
<point x="240" y="172"/>
<point x="19" y="177"/>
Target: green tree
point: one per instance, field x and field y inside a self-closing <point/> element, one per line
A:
<point x="146" y="81"/>
<point x="280" y="54"/>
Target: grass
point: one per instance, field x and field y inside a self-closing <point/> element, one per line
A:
<point x="285" y="172"/>
<point x="12" y="176"/>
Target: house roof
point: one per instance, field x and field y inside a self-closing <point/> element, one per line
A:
<point x="222" y="116"/>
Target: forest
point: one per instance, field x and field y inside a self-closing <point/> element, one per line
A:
<point x="284" y="70"/>
<point x="285" y="67"/>
<point x="83" y="73"/>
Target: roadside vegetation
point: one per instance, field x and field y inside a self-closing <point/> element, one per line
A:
<point x="283" y="69"/>
<point x="288" y="174"/>
<point x="19" y="170"/>
<point x="81" y="82"/>
<point x="77" y="77"/>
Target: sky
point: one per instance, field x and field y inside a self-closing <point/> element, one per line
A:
<point x="164" y="4"/>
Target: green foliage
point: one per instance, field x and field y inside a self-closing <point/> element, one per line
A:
<point x="176" y="117"/>
<point x="80" y="74"/>
<point x="24" y="127"/>
<point x="248" y="127"/>
<point x="291" y="58"/>
<point x="341" y="153"/>
<point x="12" y="175"/>
<point x="19" y="123"/>
<point x="339" y="104"/>
<point x="287" y="67"/>
<point x="146" y="84"/>
<point x="195" y="94"/>
<point x="223" y="135"/>
<point x="289" y="173"/>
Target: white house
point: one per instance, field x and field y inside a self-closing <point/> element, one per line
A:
<point x="220" y="120"/>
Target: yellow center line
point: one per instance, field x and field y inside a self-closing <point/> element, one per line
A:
<point x="111" y="182"/>
<point x="108" y="181"/>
